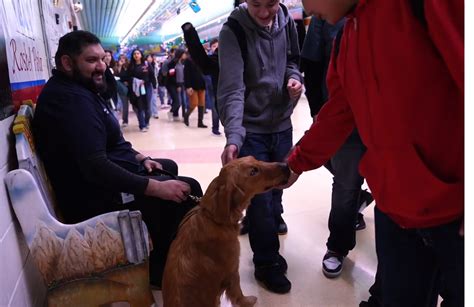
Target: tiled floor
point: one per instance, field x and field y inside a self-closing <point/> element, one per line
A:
<point x="306" y="206"/>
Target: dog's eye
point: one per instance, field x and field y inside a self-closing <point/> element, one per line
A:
<point x="253" y="171"/>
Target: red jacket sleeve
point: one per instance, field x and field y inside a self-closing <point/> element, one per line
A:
<point x="445" y="20"/>
<point x="334" y="124"/>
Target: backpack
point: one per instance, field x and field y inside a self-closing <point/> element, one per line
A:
<point x="239" y="33"/>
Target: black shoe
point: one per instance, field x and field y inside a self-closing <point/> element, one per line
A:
<point x="282" y="264"/>
<point x="332" y="264"/>
<point x="216" y="132"/>
<point x="282" y="227"/>
<point x="272" y="278"/>
<point x="155" y="284"/>
<point x="201" y="125"/>
<point x="360" y="223"/>
<point x="365" y="200"/>
<point x="244" y="226"/>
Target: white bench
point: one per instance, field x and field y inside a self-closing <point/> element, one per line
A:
<point x="98" y="261"/>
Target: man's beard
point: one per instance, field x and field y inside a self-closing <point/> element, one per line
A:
<point x="89" y="82"/>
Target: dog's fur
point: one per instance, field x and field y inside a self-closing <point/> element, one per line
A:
<point x="203" y="260"/>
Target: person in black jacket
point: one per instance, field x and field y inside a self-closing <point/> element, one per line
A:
<point x="89" y="162"/>
<point x="111" y="92"/>
<point x="120" y="71"/>
<point x="196" y="90"/>
<point x="139" y="77"/>
<point x="169" y="71"/>
<point x="209" y="65"/>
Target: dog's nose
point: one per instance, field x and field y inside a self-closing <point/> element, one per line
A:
<point x="285" y="168"/>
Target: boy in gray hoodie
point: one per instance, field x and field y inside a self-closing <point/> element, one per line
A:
<point x="259" y="85"/>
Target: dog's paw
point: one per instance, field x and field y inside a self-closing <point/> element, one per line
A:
<point x="247" y="301"/>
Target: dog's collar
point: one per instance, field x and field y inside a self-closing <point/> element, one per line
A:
<point x="188" y="215"/>
<point x="209" y="216"/>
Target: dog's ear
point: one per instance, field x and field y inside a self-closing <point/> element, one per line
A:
<point x="223" y="197"/>
<point x="216" y="199"/>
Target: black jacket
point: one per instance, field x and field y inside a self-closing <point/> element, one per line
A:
<point x="193" y="77"/>
<point x="84" y="153"/>
<point x="209" y="64"/>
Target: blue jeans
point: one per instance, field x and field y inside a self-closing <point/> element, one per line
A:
<point x="140" y="108"/>
<point x="263" y="235"/>
<point x="344" y="166"/>
<point x="173" y="94"/>
<point x="124" y="102"/>
<point x="415" y="265"/>
<point x="183" y="99"/>
<point x="161" y="94"/>
<point x="154" y="102"/>
<point x="149" y="100"/>
<point x="209" y="91"/>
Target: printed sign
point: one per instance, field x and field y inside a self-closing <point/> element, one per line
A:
<point x="24" y="48"/>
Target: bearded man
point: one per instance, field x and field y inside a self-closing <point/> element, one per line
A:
<point x="92" y="168"/>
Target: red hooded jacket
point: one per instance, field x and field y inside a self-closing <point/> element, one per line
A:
<point x="402" y="84"/>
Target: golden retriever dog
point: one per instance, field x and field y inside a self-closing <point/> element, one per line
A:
<point x="203" y="260"/>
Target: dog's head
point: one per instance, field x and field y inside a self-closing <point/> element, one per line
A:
<point x="238" y="182"/>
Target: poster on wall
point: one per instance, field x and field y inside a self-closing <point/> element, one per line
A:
<point x="24" y="48"/>
<point x="59" y="20"/>
<point x="6" y="104"/>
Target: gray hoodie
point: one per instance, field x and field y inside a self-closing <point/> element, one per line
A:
<point x="261" y="104"/>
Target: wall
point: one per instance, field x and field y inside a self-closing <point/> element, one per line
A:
<point x="20" y="284"/>
<point x="24" y="68"/>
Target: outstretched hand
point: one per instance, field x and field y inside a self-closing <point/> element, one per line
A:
<point x="230" y="153"/>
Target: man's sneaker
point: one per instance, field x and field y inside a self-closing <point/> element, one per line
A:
<point x="216" y="132"/>
<point x="332" y="264"/>
<point x="281" y="225"/>
<point x="365" y="200"/>
<point x="360" y="223"/>
<point x="272" y="278"/>
<point x="144" y="129"/>
<point x="244" y="226"/>
<point x="124" y="125"/>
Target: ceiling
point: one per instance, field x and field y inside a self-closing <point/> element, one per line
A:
<point x="125" y="21"/>
<point x="128" y="22"/>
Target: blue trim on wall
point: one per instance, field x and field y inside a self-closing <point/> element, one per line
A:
<point x="22" y="85"/>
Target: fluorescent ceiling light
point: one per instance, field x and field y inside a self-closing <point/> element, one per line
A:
<point x="210" y="9"/>
<point x="217" y="19"/>
<point x="133" y="16"/>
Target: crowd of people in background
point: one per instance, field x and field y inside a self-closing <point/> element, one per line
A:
<point x="152" y="82"/>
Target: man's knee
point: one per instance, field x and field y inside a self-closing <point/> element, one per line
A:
<point x="196" y="189"/>
<point x="169" y="166"/>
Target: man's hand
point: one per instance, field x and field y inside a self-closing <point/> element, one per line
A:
<point x="174" y="190"/>
<point x="295" y="88"/>
<point x="230" y="153"/>
<point x="151" y="165"/>
<point x="189" y="91"/>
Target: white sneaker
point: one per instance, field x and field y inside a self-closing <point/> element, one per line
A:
<point x="124" y="125"/>
<point x="144" y="130"/>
